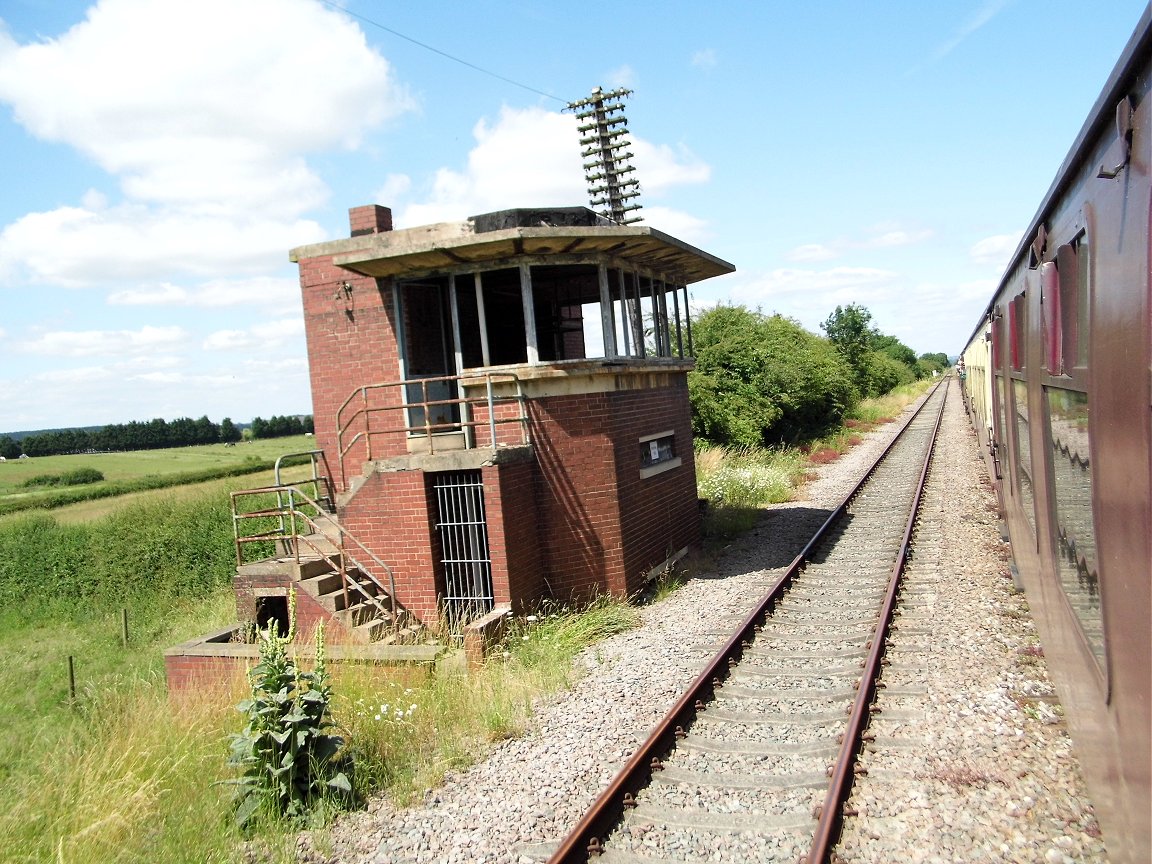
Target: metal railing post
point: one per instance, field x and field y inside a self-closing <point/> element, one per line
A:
<point x="491" y="411"/>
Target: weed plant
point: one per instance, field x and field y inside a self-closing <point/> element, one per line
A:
<point x="292" y="767"/>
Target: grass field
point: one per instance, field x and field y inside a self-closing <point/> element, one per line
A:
<point x="142" y="463"/>
<point x="143" y="475"/>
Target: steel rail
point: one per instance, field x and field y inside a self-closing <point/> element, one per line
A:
<point x="831" y="812"/>
<point x="606" y="811"/>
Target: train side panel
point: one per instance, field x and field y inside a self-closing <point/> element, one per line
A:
<point x="1059" y="386"/>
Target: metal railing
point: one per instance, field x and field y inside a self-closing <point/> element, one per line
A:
<point x="364" y="418"/>
<point x="288" y="516"/>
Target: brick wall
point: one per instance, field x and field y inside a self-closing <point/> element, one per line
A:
<point x="189" y="675"/>
<point x="601" y="526"/>
<point x="513" y="533"/>
<point x="392" y="515"/>
<point x="659" y="514"/>
<point x="578" y="515"/>
<point x="351" y="342"/>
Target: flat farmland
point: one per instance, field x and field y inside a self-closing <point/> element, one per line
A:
<point x="139" y="466"/>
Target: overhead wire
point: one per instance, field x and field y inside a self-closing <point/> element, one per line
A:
<point x="445" y="54"/>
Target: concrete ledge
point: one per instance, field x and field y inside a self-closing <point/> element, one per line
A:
<point x="214" y="659"/>
<point x="454" y="460"/>
<point x="483" y="633"/>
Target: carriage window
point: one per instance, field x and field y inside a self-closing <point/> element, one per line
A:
<point x="1016" y="331"/>
<point x="1024" y="452"/>
<point x="1051" y="320"/>
<point x="1072" y="260"/>
<point x="1075" y="528"/>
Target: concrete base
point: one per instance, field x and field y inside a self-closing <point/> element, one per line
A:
<point x="218" y="658"/>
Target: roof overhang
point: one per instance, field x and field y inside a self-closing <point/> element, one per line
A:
<point x="453" y="247"/>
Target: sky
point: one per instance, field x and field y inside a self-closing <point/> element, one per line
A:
<point x="159" y="158"/>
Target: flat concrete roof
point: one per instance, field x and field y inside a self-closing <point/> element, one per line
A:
<point x="455" y="246"/>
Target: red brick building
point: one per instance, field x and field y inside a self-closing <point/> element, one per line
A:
<point x="503" y="402"/>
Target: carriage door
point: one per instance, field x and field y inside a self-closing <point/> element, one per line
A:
<point x="465" y="563"/>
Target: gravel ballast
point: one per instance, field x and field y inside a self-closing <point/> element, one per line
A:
<point x="988" y="772"/>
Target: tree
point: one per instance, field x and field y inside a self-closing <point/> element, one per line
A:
<point x="9" y="448"/>
<point x="850" y="329"/>
<point x="879" y="362"/>
<point x="229" y="434"/>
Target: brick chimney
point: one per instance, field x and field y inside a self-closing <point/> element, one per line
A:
<point x="370" y="219"/>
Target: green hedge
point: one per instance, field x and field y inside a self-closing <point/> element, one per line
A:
<point x="147" y="554"/>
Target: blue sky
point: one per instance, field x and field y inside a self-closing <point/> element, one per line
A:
<point x="160" y="158"/>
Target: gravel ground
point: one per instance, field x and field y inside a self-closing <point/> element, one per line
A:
<point x="999" y="781"/>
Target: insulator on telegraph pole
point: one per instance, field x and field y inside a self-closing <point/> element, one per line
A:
<point x="604" y="145"/>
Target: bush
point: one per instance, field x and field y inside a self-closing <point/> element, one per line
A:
<point x="80" y="476"/>
<point x="883" y="374"/>
<point x="762" y="380"/>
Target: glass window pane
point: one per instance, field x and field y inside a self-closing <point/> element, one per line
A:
<point x="1075" y="528"/>
<point x="1024" y="453"/>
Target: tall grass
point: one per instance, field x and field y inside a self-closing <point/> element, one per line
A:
<point x="737" y="481"/>
<point x="406" y="734"/>
<point x="882" y="409"/>
<point x="130" y="782"/>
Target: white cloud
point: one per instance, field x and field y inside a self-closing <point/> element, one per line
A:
<point x="77" y="248"/>
<point x="819" y="288"/>
<point x="183" y="97"/>
<point x="265" y="291"/>
<point x="886" y="236"/>
<point x="395" y="187"/>
<point x="89" y="343"/>
<point x="527" y="158"/>
<point x="270" y="334"/>
<point x="621" y="76"/>
<point x="812" y="252"/>
<point x="679" y="224"/>
<point x="987" y="11"/>
<point x="704" y="59"/>
<point x="995" y="250"/>
<point x="893" y="238"/>
<point x="205" y="113"/>
<point x="659" y="166"/>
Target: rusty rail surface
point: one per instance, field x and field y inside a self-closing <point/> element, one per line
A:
<point x="585" y="841"/>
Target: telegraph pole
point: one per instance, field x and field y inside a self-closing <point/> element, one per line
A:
<point x="604" y="145"/>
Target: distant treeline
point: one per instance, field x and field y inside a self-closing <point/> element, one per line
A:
<point x="150" y="435"/>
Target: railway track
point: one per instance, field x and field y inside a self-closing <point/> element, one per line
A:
<point x="756" y="758"/>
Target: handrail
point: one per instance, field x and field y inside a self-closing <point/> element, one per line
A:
<point x="288" y="516"/>
<point x="327" y="500"/>
<point x="365" y="412"/>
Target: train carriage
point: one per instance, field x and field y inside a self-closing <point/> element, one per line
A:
<point x="1058" y="381"/>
